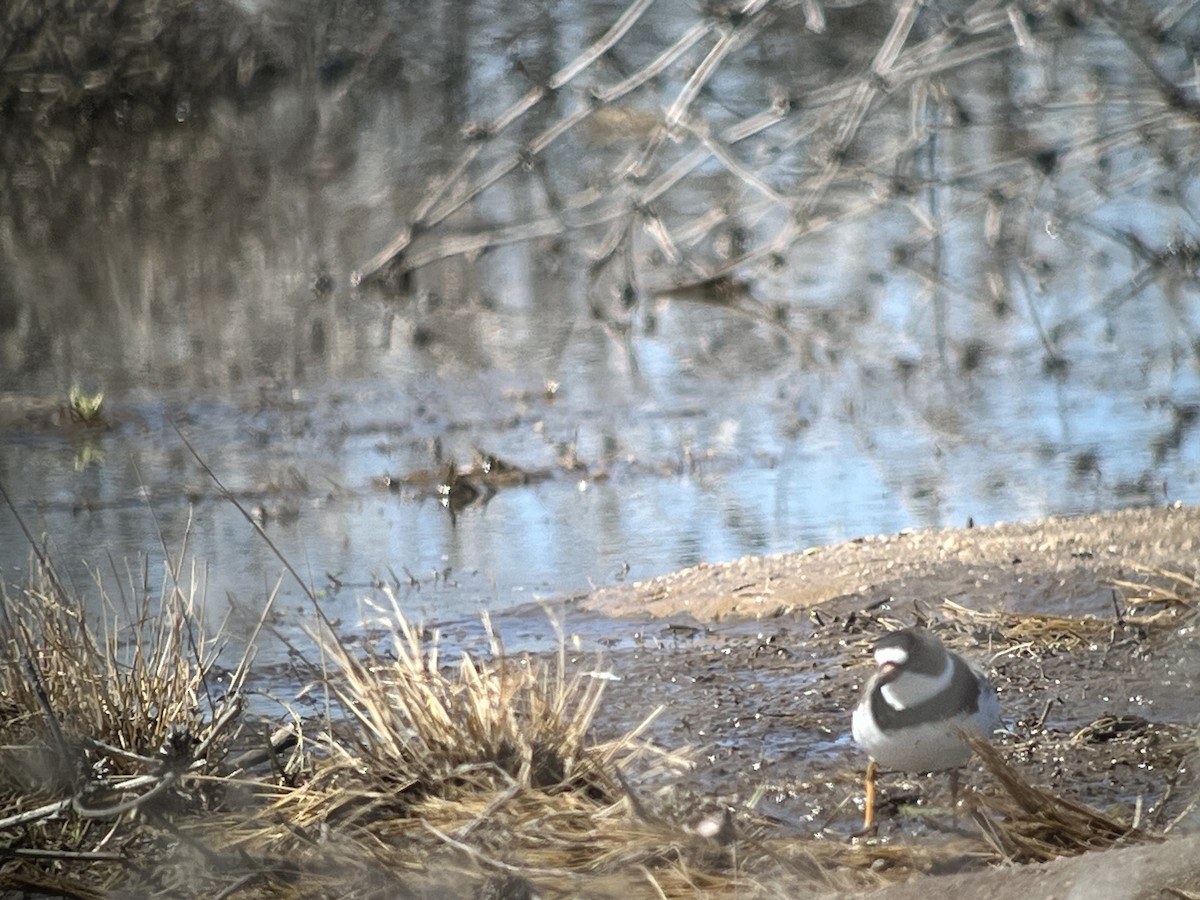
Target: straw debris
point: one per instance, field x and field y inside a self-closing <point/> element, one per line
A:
<point x="1031" y="824"/>
<point x="1165" y="593"/>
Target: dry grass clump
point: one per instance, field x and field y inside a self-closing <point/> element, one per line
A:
<point x="1030" y="824"/>
<point x="479" y="770"/>
<point x="102" y="731"/>
<point x="424" y="731"/>
<point x="131" y="687"/>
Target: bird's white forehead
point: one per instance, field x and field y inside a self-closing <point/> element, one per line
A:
<point x="895" y="655"/>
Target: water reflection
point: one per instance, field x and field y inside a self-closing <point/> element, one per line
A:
<point x="990" y="323"/>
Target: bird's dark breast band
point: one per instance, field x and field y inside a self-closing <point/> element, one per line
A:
<point x="961" y="696"/>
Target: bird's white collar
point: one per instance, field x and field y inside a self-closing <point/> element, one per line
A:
<point x="912" y="689"/>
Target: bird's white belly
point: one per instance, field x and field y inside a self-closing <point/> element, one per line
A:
<point x="930" y="747"/>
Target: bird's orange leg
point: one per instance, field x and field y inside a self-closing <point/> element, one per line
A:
<point x="869" y="810"/>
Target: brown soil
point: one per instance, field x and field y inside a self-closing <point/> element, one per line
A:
<point x="1049" y="566"/>
<point x="758" y="662"/>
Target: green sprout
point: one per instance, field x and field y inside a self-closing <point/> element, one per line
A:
<point x="85" y="408"/>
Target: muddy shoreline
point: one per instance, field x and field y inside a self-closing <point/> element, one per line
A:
<point x="1054" y="565"/>
<point x="757" y="663"/>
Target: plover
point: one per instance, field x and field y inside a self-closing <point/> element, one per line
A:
<point x="914" y="706"/>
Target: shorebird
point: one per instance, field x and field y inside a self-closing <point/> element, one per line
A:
<point x="914" y="707"/>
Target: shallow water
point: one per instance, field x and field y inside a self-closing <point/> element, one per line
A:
<point x="200" y="276"/>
